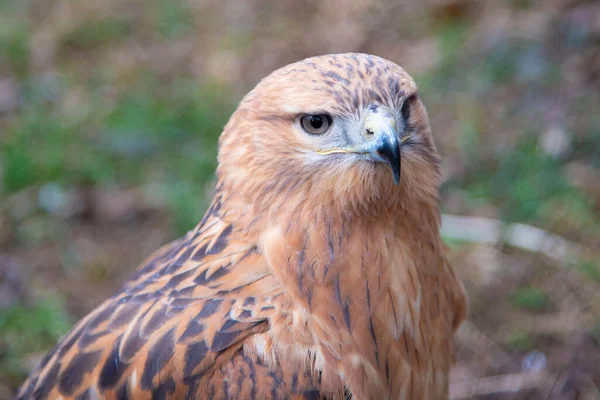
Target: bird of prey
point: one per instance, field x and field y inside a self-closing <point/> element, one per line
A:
<point x="317" y="272"/>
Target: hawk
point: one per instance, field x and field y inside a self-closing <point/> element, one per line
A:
<point x="318" y="270"/>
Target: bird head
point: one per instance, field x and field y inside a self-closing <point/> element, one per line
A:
<point x="346" y="131"/>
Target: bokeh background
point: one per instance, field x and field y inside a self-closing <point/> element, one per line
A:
<point x="110" y="113"/>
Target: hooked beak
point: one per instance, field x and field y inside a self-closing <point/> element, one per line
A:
<point x="381" y="141"/>
<point x="385" y="147"/>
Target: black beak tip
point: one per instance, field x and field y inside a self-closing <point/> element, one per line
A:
<point x="391" y="153"/>
<point x="396" y="172"/>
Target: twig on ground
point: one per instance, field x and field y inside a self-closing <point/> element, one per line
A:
<point x="494" y="231"/>
<point x="511" y="383"/>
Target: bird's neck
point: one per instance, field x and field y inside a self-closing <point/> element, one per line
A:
<point x="356" y="284"/>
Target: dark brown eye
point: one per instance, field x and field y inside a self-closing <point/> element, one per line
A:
<point x="315" y="124"/>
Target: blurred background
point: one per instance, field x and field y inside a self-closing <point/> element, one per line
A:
<point x="110" y="113"/>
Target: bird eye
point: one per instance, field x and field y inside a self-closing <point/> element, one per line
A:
<point x="315" y="124"/>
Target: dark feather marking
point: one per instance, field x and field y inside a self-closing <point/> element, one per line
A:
<point x="170" y="252"/>
<point x="102" y="316"/>
<point x="221" y="242"/>
<point x="331" y="251"/>
<point x="338" y="292"/>
<point x="194" y="354"/>
<point x="179" y="304"/>
<point x="356" y="100"/>
<point x="406" y="347"/>
<point x="348" y="93"/>
<point x="312" y="65"/>
<point x="85" y="395"/>
<point x="229" y="333"/>
<point x="394" y="85"/>
<point x="417" y="361"/>
<point x="206" y="227"/>
<point x="81" y="364"/>
<point x="123" y="315"/>
<point x="216" y="205"/>
<point x="368" y="297"/>
<point x="181" y="294"/>
<point x="387" y="370"/>
<point x="200" y="254"/>
<point x="203" y="280"/>
<point x="122" y="392"/>
<point x="165" y="389"/>
<point x="350" y="70"/>
<point x="393" y="308"/>
<point x="113" y="368"/>
<point x="375" y="96"/>
<point x="241" y="378"/>
<point x="194" y="329"/>
<point x="311" y="395"/>
<point x="225" y="388"/>
<point x="181" y="260"/>
<point x="143" y="298"/>
<point x="245" y="314"/>
<point x="251" y="251"/>
<point x="337" y="95"/>
<point x="335" y="323"/>
<point x="294" y="383"/>
<point x="299" y="270"/>
<point x="157" y="320"/>
<point x="211" y="389"/>
<point x="345" y="135"/>
<point x="380" y="87"/>
<point x="335" y="76"/>
<point x="209" y="308"/>
<point x="150" y="265"/>
<point x="141" y="286"/>
<point x="158" y="357"/>
<point x="132" y="346"/>
<point x="252" y="376"/>
<point x="250" y="301"/>
<point x="47" y="383"/>
<point x="347" y="316"/>
<point x="276" y="383"/>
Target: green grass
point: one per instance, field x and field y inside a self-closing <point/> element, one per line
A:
<point x="167" y="135"/>
<point x="95" y="34"/>
<point x="174" y="140"/>
<point x="34" y="150"/>
<point x="14" y="46"/>
<point x="524" y="183"/>
<point x="530" y="299"/>
<point x="518" y="340"/>
<point x="591" y="269"/>
<point x="29" y="330"/>
<point x="171" y="19"/>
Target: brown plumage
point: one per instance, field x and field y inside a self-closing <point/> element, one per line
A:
<point x="312" y="275"/>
